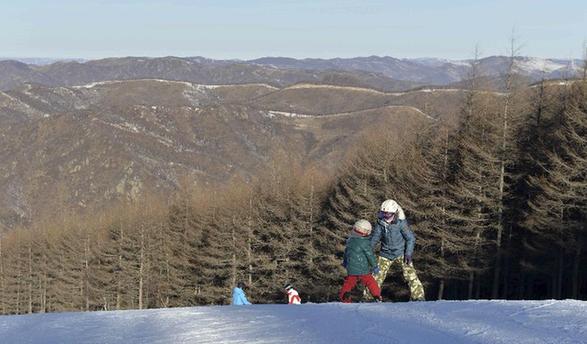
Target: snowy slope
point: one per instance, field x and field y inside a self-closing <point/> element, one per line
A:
<point x="509" y="322"/>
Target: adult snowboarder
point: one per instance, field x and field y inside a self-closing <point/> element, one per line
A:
<point x="293" y="298"/>
<point x="359" y="262"/>
<point x="238" y="295"/>
<point x="397" y="247"/>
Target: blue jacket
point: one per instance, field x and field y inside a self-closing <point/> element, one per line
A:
<point x="239" y="298"/>
<point x="397" y="239"/>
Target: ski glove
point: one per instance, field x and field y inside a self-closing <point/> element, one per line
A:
<point x="408" y="259"/>
<point x="376" y="270"/>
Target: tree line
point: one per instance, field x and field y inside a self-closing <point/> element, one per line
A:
<point x="497" y="199"/>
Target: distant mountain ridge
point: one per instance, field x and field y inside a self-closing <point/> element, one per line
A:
<point x="434" y="71"/>
<point x="192" y="69"/>
<point x="382" y="73"/>
<point x="40" y="60"/>
<point x="85" y="147"/>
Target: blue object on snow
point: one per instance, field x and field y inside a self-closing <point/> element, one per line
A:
<point x="239" y="298"/>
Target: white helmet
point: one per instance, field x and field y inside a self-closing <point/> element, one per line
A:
<point x="362" y="227"/>
<point x="391" y="206"/>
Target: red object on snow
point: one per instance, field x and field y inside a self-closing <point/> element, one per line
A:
<point x="293" y="297"/>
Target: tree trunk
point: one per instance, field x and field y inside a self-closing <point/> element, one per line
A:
<point x="30" y="280"/>
<point x="441" y="289"/>
<point x="2" y="285"/>
<point x="507" y="264"/>
<point x="250" y="262"/>
<point x="444" y="215"/>
<point x="141" y="266"/>
<point x="441" y="282"/>
<point x="521" y="286"/>
<point x="44" y="266"/>
<point x="498" y="253"/>
<point x="18" y="284"/>
<point x="87" y="273"/>
<point x="164" y="271"/>
<point x="471" y="284"/>
<point x="311" y="229"/>
<point x="311" y="224"/>
<point x="119" y="271"/>
<point x="249" y="247"/>
<point x="552" y="287"/>
<point x="576" y="276"/>
<point x="234" y="247"/>
<point x="559" y="275"/>
<point x="502" y="163"/>
<point x="477" y="286"/>
<point x="44" y="291"/>
<point x="473" y="275"/>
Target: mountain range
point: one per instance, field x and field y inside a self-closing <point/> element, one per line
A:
<point x="84" y="135"/>
<point x="382" y="73"/>
<point x="87" y="146"/>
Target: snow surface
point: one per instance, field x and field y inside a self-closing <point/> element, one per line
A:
<point x="510" y="322"/>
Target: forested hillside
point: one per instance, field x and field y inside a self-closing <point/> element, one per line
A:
<point x="497" y="199"/>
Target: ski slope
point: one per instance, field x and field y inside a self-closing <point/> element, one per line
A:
<point x="510" y="322"/>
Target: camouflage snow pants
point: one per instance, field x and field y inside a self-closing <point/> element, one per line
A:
<point x="410" y="276"/>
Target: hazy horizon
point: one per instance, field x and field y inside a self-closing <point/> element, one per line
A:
<point x="230" y="29"/>
<point x="81" y="59"/>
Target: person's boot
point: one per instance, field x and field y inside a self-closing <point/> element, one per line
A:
<point x="346" y="298"/>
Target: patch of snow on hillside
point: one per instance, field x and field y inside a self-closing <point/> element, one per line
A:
<point x="94" y="84"/>
<point x="334" y="87"/>
<point x="128" y="127"/>
<point x="454" y="322"/>
<point x="272" y="114"/>
<point x="28" y="92"/>
<point x="17" y="102"/>
<point x="8" y="96"/>
<point x="533" y="64"/>
<point x="211" y="87"/>
<point x="464" y="63"/>
<point x="420" y="112"/>
<point x="438" y="62"/>
<point x="199" y="87"/>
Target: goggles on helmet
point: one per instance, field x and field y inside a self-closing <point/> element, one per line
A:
<point x="388" y="216"/>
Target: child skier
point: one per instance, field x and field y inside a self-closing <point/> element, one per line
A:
<point x="293" y="298"/>
<point x="397" y="247"/>
<point x="359" y="262"/>
<point x="238" y="295"/>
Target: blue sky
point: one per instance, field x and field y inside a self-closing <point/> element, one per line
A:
<point x="320" y="28"/>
